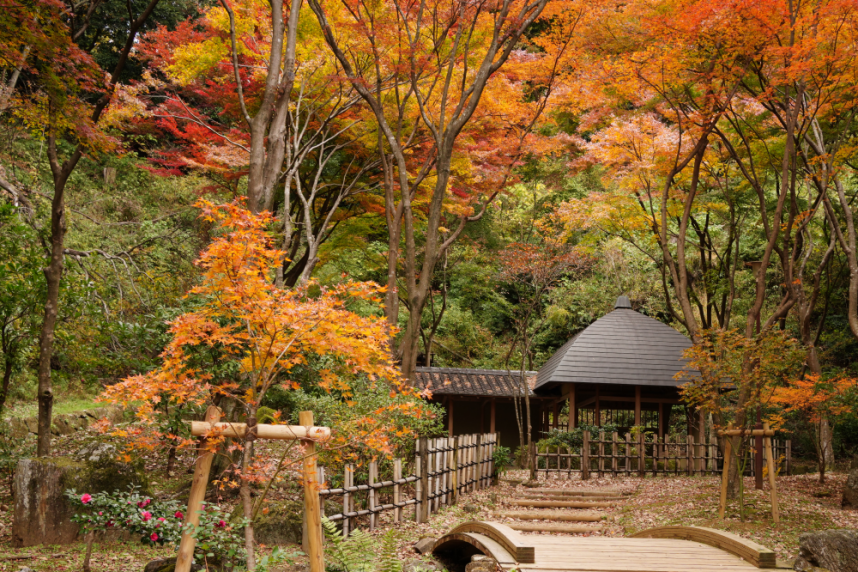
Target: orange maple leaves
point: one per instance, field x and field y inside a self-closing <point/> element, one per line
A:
<point x="261" y="332"/>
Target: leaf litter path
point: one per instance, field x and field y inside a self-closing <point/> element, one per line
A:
<point x="805" y="506"/>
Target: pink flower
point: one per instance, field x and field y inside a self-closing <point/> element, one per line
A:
<point x="179" y="514"/>
<point x="86" y="498"/>
<point x="154" y="537"/>
<point x="147" y="516"/>
<point x="100" y="513"/>
<point x="162" y="519"/>
<point x="221" y="524"/>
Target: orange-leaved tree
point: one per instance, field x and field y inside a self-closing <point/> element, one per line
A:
<point x="814" y="399"/>
<point x="258" y="334"/>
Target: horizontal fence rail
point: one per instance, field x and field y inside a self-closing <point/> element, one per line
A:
<point x="443" y="468"/>
<point x="610" y="454"/>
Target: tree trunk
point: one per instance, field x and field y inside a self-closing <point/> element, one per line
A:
<point x="7" y="377"/>
<point x="53" y="275"/>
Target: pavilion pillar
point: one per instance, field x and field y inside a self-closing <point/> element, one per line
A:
<point x="492" y="417"/>
<point x="573" y="408"/>
<point x="598" y="410"/>
<point x="482" y="417"/>
<point x="637" y="405"/>
<point x="661" y="420"/>
<point x="450" y="417"/>
<point x="554" y="420"/>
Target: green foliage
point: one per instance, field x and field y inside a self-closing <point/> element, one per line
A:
<point x="388" y="560"/>
<point x="352" y="554"/>
<point x="574" y="439"/>
<point x="501" y="459"/>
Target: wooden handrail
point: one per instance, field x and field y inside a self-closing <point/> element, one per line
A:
<point x="756" y="554"/>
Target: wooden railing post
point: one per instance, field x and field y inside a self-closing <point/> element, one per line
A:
<point x="689" y="453"/>
<point x="397" y="474"/>
<point x="312" y="506"/>
<point x="641" y="454"/>
<point x="202" y="467"/>
<point x="585" y="456"/>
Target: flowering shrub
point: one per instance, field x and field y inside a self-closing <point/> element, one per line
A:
<point x="156" y="522"/>
<point x="159" y="522"/>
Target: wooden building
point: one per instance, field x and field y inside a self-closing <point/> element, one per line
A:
<point x="481" y="400"/>
<point x="620" y="370"/>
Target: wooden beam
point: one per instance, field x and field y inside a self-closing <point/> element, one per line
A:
<point x="263" y="431"/>
<point x="555" y="413"/>
<point x="450" y="417"/>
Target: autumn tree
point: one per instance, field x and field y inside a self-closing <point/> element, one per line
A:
<point x="262" y="334"/>
<point x="429" y="66"/>
<point x="55" y="83"/>
<point x="814" y="399"/>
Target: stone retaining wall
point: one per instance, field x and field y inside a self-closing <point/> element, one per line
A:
<point x="64" y="424"/>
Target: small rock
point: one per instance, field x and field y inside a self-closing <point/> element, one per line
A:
<point x="531" y="484"/>
<point x="850" y="491"/>
<point x="424" y="545"/>
<point x="469" y="508"/>
<point x="96" y="452"/>
<point x="834" y="550"/>
<point x="493" y="498"/>
<point x="298" y="567"/>
<point x="26" y="569"/>
<point x="421" y="566"/>
<point x="167" y="565"/>
<point x="480" y="563"/>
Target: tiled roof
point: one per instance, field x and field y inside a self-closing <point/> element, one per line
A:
<point x="475" y="382"/>
<point x="623" y="347"/>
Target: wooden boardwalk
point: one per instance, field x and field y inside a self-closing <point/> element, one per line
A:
<point x="667" y="549"/>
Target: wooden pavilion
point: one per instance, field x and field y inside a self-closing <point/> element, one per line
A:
<point x="620" y="370"/>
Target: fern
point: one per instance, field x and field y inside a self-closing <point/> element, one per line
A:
<point x="389" y="561"/>
<point x="352" y="554"/>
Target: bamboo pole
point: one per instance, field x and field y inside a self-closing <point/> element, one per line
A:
<point x="263" y="431"/>
<point x="312" y="506"/>
<point x="725" y="477"/>
<point x="767" y="448"/>
<point x="202" y="467"/>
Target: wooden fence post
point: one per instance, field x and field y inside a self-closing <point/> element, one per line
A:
<point x="689" y="453"/>
<point x="312" y="506"/>
<point x="478" y="454"/>
<point x="614" y="454"/>
<point x="373" y="471"/>
<point x="585" y="456"/>
<point x="198" y="492"/>
<point x="628" y="447"/>
<point x="455" y="474"/>
<point x="397" y="474"/>
<point x="348" y="481"/>
<point x="641" y="454"/>
<point x="424" y="480"/>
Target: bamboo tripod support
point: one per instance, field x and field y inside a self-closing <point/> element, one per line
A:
<point x="306" y="433"/>
<point x="767" y="435"/>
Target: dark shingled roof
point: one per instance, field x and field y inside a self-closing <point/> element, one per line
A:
<point x="624" y="347"/>
<point x="475" y="382"/>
